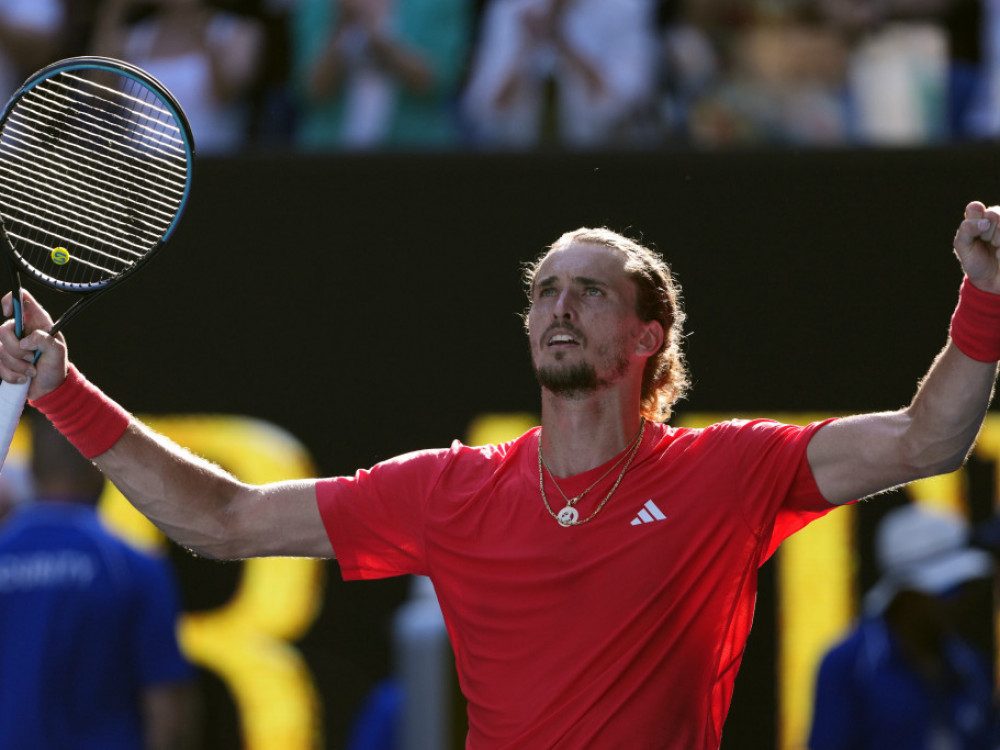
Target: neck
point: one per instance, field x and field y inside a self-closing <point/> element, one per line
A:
<point x="581" y="434"/>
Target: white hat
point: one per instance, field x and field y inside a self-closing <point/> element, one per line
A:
<point x="920" y="549"/>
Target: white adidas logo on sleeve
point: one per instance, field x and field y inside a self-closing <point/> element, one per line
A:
<point x="649" y="514"/>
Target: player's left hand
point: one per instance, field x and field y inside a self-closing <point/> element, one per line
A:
<point x="977" y="245"/>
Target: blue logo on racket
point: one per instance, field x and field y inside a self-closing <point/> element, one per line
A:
<point x="60" y="256"/>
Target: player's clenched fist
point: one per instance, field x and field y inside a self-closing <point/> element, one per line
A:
<point x="976" y="244"/>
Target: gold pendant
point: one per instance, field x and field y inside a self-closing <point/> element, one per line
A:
<point x="568" y="516"/>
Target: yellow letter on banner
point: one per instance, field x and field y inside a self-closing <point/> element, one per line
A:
<point x="988" y="443"/>
<point x="499" y="428"/>
<point x="246" y="642"/>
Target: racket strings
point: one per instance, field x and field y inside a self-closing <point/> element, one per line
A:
<point x="157" y="125"/>
<point x="30" y="136"/>
<point x="26" y="165"/>
<point x="99" y="118"/>
<point x="95" y="169"/>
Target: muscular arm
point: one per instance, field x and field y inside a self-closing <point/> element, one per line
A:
<point x="207" y="510"/>
<point x="866" y="454"/>
<point x="192" y="501"/>
<point x="861" y="455"/>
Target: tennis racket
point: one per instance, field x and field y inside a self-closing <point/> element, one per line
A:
<point x="95" y="171"/>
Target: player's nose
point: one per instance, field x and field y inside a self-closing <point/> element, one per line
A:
<point x="563" y="308"/>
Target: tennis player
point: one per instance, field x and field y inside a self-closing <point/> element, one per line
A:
<point x="597" y="574"/>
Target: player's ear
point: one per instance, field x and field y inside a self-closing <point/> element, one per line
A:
<point x="650" y="339"/>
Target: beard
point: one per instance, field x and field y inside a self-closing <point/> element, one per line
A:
<point x="578" y="380"/>
<point x="573" y="381"/>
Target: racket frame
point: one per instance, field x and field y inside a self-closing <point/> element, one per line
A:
<point x="14" y="395"/>
<point x="15" y="265"/>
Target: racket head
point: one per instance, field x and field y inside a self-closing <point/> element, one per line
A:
<point x="96" y="159"/>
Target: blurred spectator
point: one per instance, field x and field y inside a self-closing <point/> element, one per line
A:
<point x="780" y="76"/>
<point x="688" y="66"/>
<point x="208" y="58"/>
<point x="88" y="651"/>
<point x="272" y="107"/>
<point x="417" y="706"/>
<point x="379" y="73"/>
<point x="986" y="536"/>
<point x="15" y="487"/>
<point x="31" y="35"/>
<point x="984" y="110"/>
<point x="904" y="677"/>
<point x="580" y="73"/>
<point x="916" y="64"/>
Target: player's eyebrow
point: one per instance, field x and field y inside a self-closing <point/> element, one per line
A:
<point x="546" y="282"/>
<point x="588" y="281"/>
<point x="581" y="281"/>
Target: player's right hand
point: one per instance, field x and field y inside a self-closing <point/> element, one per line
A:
<point x="17" y="355"/>
<point x="977" y="245"/>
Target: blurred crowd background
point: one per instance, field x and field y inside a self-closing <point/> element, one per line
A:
<point x="477" y="75"/>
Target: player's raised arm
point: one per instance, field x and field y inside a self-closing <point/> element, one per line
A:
<point x="861" y="455"/>
<point x="192" y="501"/>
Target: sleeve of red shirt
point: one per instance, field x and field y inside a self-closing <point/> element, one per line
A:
<point x="375" y="519"/>
<point x="774" y="469"/>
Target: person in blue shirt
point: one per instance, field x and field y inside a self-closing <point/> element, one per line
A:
<point x="904" y="677"/>
<point x="89" y="657"/>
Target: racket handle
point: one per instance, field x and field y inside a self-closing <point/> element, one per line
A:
<point x="12" y="399"/>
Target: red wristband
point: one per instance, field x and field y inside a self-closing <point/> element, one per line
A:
<point x="84" y="415"/>
<point x="975" y="326"/>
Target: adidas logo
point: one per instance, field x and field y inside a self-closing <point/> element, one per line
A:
<point x="649" y="514"/>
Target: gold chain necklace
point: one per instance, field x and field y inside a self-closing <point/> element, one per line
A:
<point x="570" y="516"/>
<point x="575" y="500"/>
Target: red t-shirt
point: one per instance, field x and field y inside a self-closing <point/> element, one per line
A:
<point x="624" y="632"/>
